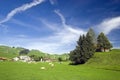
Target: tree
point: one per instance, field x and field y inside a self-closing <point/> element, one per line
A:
<point x="24" y="52"/>
<point x="93" y="36"/>
<point x="84" y="50"/>
<point x="103" y="43"/>
<point x="59" y="59"/>
<point x="91" y="48"/>
<point x="36" y="58"/>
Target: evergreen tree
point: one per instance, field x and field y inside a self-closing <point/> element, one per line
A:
<point x="84" y="50"/>
<point x="93" y="36"/>
<point x="103" y="42"/>
<point x="91" y="48"/>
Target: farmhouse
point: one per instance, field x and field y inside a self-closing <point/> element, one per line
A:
<point x="22" y="58"/>
<point x="103" y="50"/>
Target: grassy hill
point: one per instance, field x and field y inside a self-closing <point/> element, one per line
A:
<point x="11" y="52"/>
<point x="8" y="52"/>
<point x="111" y="58"/>
<point x="37" y="53"/>
<point x="106" y="60"/>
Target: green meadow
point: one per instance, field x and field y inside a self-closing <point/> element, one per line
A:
<point x="102" y="66"/>
<point x="25" y="71"/>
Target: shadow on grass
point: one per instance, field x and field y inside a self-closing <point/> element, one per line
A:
<point x="109" y="69"/>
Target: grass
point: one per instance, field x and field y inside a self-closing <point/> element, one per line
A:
<point x="25" y="71"/>
<point x="106" y="60"/>
<point x="8" y="52"/>
<point x="102" y="66"/>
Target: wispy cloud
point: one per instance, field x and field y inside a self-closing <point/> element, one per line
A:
<point x="50" y="25"/>
<point x="53" y="2"/>
<point x="21" y="9"/>
<point x="62" y="40"/>
<point x="64" y="37"/>
<point x="108" y="25"/>
<point x="69" y="27"/>
<point x="23" y="24"/>
<point x="61" y="17"/>
<point x="4" y="28"/>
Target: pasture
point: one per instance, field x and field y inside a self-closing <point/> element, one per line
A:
<point x="25" y="71"/>
<point x="102" y="66"/>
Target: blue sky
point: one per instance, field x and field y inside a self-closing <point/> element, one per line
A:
<point x="54" y="26"/>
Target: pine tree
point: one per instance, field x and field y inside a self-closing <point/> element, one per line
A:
<point x="103" y="43"/>
<point x="93" y="36"/>
<point x="91" y="48"/>
<point x="83" y="51"/>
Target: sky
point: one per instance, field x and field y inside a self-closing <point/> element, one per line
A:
<point x="54" y="26"/>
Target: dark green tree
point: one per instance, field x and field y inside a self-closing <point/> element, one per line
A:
<point x="24" y="52"/>
<point x="59" y="59"/>
<point x="103" y="43"/>
<point x="91" y="48"/>
<point x="84" y="50"/>
<point x="36" y="58"/>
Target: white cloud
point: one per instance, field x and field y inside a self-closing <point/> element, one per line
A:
<point x="109" y="24"/>
<point x="61" y="16"/>
<point x="52" y="26"/>
<point x="22" y="36"/>
<point x="62" y="40"/>
<point x="20" y="23"/>
<point x="21" y="9"/>
<point x="68" y="27"/>
<point x="53" y="2"/>
<point x="4" y="28"/>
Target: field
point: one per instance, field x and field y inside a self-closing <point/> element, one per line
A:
<point x="25" y="71"/>
<point x="102" y="66"/>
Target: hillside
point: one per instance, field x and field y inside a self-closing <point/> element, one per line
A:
<point x="111" y="58"/>
<point x="8" y="52"/>
<point x="11" y="52"/>
<point x="106" y="60"/>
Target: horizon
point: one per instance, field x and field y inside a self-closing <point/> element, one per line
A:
<point x="54" y="26"/>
